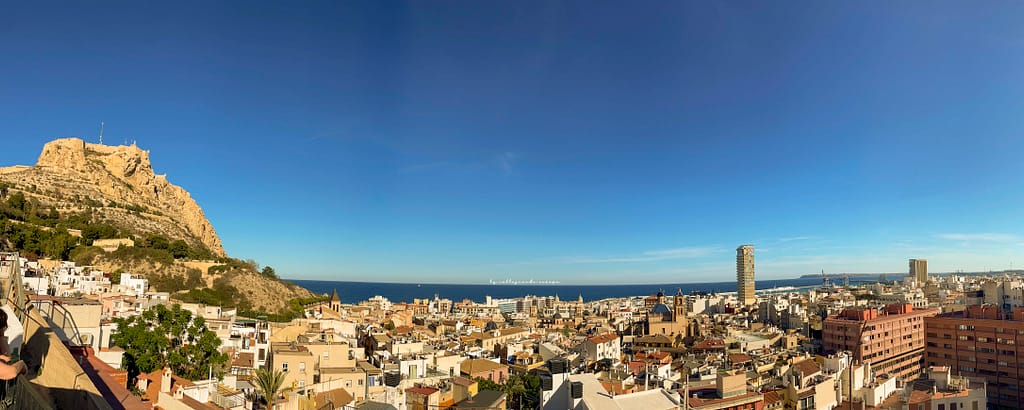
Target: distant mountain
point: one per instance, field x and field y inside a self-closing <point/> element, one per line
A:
<point x="78" y="192"/>
<point x="114" y="184"/>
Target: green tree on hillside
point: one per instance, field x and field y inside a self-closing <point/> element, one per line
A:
<point x="17" y="201"/>
<point x="157" y="242"/>
<point x="92" y="232"/>
<point x="179" y="249"/>
<point x="58" y="245"/>
<point x="168" y="337"/>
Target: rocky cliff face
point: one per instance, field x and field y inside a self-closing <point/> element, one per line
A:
<point x="117" y="184"/>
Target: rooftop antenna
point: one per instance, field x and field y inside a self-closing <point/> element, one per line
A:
<point x="101" y="132"/>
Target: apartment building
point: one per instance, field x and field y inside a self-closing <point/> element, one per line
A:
<point x="890" y="338"/>
<point x="984" y="342"/>
<point x="295" y="361"/>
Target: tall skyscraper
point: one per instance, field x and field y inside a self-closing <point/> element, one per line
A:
<point x="919" y="270"/>
<point x="745" y="275"/>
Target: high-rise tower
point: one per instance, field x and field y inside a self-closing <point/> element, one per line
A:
<point x="745" y="275"/>
<point x="919" y="270"/>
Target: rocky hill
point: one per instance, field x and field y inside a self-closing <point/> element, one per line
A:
<point x="83" y="185"/>
<point x="116" y="184"/>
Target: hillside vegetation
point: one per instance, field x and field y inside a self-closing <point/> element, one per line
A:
<point x="58" y="208"/>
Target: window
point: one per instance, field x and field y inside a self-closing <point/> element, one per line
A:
<point x="284" y="366"/>
<point x="302" y="367"/>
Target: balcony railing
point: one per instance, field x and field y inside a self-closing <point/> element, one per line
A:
<point x="18" y="393"/>
<point x="62" y="321"/>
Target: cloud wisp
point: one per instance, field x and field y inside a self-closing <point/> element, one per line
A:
<point x="506" y="162"/>
<point x="979" y="237"/>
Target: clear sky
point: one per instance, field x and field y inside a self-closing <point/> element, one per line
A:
<point x="597" y="142"/>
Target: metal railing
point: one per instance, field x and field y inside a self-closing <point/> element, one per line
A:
<point x="13" y="291"/>
<point x="18" y="393"/>
<point x="59" y="318"/>
<point x="57" y="315"/>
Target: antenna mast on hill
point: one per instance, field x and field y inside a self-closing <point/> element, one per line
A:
<point x="101" y="132"/>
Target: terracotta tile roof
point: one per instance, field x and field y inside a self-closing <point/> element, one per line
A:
<point x="807" y="367"/>
<point x="737" y="358"/>
<point x="337" y="398"/>
<point x="653" y="356"/>
<point x="243" y="360"/>
<point x="426" y="391"/>
<point x="605" y="338"/>
<point x="616" y="388"/>
<point x="474" y="366"/>
<point x="709" y="344"/>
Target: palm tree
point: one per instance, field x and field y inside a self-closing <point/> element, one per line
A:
<point x="515" y="388"/>
<point x="268" y="383"/>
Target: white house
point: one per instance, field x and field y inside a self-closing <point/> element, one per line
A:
<point x="601" y="347"/>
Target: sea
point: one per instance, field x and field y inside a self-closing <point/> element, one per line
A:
<point x="355" y="292"/>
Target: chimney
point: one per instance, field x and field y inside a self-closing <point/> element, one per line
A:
<point x="165" y="381"/>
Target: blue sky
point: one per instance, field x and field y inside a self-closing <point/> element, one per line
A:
<point x="573" y="141"/>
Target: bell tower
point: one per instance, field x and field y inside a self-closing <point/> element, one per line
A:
<point x="679" y="306"/>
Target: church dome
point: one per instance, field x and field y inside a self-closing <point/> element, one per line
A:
<point x="660" y="309"/>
